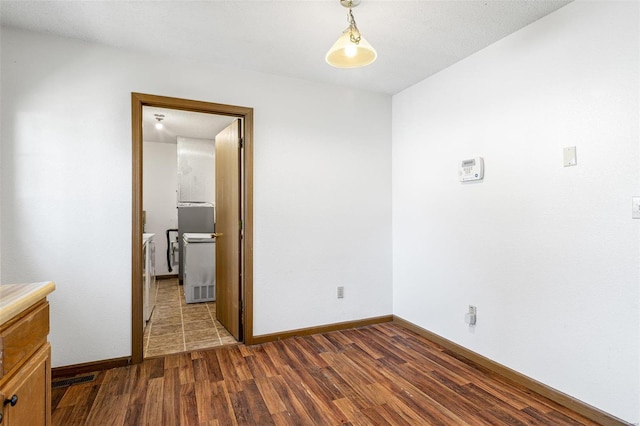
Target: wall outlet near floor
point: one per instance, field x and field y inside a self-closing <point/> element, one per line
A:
<point x="470" y="317"/>
<point x="341" y="292"/>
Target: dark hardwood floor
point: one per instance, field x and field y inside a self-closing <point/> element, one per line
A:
<point x="375" y="375"/>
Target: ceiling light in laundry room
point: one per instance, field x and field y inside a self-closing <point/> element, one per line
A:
<point x="159" y="117"/>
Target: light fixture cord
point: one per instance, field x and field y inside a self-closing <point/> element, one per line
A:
<point x="354" y="32"/>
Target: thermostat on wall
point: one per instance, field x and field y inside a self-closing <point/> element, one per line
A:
<point x="472" y="169"/>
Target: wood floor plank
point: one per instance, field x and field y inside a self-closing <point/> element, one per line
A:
<point x="256" y="406"/>
<point x="107" y="409"/>
<point x="185" y="368"/>
<point x="375" y="375"/>
<point x="328" y="383"/>
<point x="316" y="402"/>
<point x="171" y="396"/>
<point x="65" y="416"/>
<point x="269" y="395"/>
<point x="314" y="344"/>
<point x="273" y="354"/>
<point x="118" y="381"/>
<point x="80" y="411"/>
<point x="152" y="411"/>
<point x="138" y="389"/>
<point x="338" y="340"/>
<point x="188" y="405"/>
<point x="77" y="395"/>
<point x="134" y="415"/>
<point x="222" y="404"/>
<point x="405" y="395"/>
<point x="204" y="401"/>
<point x="322" y="344"/>
<point x="200" y="370"/>
<point x="377" y="346"/>
<point x="446" y="396"/>
<point x="515" y="396"/>
<point x="396" y="403"/>
<point x="415" y="351"/>
<point x="350" y="411"/>
<point x="302" y="353"/>
<point x="294" y="406"/>
<point x="56" y="396"/>
<point x="213" y="365"/>
<point x="234" y="369"/>
<point x="387" y="329"/>
<point x="260" y="366"/>
<point x="376" y="416"/>
<point x="343" y="389"/>
<point x="348" y="371"/>
<point x="240" y="407"/>
<point x="403" y="387"/>
<point x="392" y="416"/>
<point x="284" y="419"/>
<point x="287" y="358"/>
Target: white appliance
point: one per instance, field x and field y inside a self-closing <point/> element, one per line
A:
<point x="193" y="218"/>
<point x="199" y="267"/>
<point x="149" y="274"/>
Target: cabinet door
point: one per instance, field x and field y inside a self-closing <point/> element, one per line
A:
<point x="32" y="386"/>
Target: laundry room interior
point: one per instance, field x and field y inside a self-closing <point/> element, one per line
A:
<point x="179" y="239"/>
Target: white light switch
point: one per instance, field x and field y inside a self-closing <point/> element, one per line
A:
<point x="635" y="207"/>
<point x="570" y="156"/>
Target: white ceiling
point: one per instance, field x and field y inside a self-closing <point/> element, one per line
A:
<point x="414" y="39"/>
<point x="181" y="123"/>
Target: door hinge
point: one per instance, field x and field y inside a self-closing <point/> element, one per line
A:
<point x="241" y="143"/>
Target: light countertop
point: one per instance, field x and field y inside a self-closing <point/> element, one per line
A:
<point x="15" y="298"/>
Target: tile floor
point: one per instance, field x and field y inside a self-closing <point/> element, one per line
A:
<point x="177" y="326"/>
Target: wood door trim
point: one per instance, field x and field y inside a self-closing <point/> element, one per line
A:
<point x="89" y="367"/>
<point x="247" y="246"/>
<point x="138" y="100"/>
<point x="320" y="329"/>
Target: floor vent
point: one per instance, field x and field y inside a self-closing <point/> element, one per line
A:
<point x="73" y="381"/>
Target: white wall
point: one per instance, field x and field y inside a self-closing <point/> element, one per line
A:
<point x="160" y="180"/>
<point x="322" y="199"/>
<point x="196" y="169"/>
<point x="549" y="255"/>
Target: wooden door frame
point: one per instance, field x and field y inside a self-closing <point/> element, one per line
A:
<point x="138" y="100"/>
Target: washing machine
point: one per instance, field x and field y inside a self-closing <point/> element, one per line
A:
<point x="199" y="267"/>
<point x="149" y="274"/>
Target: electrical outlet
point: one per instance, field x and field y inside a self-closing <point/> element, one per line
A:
<point x="341" y="292"/>
<point x="569" y="156"/>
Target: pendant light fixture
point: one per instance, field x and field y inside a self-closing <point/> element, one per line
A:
<point x="351" y="50"/>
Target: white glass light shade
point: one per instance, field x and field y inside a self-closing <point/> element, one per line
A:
<point x="159" y="125"/>
<point x="346" y="54"/>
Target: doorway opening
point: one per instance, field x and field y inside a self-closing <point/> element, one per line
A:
<point x="235" y="234"/>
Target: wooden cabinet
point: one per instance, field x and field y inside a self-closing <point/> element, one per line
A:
<point x="25" y="368"/>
